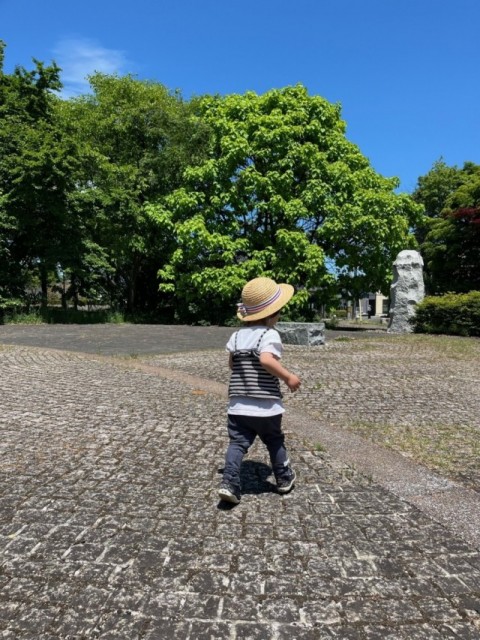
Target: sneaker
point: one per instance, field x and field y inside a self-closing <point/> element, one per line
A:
<point x="228" y="493"/>
<point x="285" y="484"/>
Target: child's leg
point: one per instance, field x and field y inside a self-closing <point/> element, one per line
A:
<point x="241" y="439"/>
<point x="270" y="431"/>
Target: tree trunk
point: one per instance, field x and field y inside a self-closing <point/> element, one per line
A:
<point x="44" y="285"/>
<point x="64" y="294"/>
<point x="132" y="287"/>
<point x="131" y="297"/>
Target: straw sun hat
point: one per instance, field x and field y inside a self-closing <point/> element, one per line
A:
<point x="262" y="297"/>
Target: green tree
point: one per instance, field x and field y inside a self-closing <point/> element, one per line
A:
<point x="137" y="137"/>
<point x="36" y="168"/>
<point x="281" y="193"/>
<point x="451" y="244"/>
<point x="434" y="188"/>
<point x="12" y="279"/>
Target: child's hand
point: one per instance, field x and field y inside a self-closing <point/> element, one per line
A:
<point x="293" y="382"/>
<point x="272" y="365"/>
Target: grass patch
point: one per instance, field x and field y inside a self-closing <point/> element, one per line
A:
<point x="446" y="346"/>
<point x="60" y="316"/>
<point x="23" y="318"/>
<point x="451" y="450"/>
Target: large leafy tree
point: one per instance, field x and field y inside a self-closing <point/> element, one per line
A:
<point x="282" y="193"/>
<point x="137" y="138"/>
<point x="37" y="164"/>
<point x="451" y="233"/>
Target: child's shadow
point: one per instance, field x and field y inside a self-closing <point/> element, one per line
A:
<point x="253" y="476"/>
<point x="253" y="479"/>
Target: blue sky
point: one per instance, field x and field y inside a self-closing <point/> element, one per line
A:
<point x="406" y="72"/>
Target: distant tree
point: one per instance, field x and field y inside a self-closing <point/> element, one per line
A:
<point x="281" y="193"/>
<point x="436" y="186"/>
<point x="451" y="232"/>
<point x="467" y="194"/>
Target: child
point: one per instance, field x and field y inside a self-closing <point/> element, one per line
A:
<point x="255" y="402"/>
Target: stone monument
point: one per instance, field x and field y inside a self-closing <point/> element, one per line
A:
<point x="406" y="291"/>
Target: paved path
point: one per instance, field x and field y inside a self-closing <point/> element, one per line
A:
<point x="125" y="339"/>
<point x="111" y="528"/>
<point x="116" y="339"/>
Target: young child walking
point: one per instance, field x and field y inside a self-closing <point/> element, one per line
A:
<point x="255" y="405"/>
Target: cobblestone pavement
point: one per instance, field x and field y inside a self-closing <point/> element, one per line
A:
<point x="111" y="527"/>
<point x="407" y="391"/>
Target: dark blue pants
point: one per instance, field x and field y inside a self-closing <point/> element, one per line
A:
<point x="242" y="431"/>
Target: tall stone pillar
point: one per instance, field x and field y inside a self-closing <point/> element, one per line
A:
<point x="406" y="291"/>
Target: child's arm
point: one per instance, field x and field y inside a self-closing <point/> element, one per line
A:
<point x="230" y="361"/>
<point x="271" y="363"/>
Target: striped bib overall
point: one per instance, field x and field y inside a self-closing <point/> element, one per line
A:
<point x="248" y="377"/>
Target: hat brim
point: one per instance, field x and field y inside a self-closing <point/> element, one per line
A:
<point x="286" y="293"/>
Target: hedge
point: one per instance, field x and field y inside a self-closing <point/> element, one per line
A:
<point x="453" y="314"/>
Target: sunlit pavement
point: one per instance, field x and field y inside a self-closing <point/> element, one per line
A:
<point x="111" y="526"/>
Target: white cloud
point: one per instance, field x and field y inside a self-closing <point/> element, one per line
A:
<point x="79" y="58"/>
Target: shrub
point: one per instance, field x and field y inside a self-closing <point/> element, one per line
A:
<point x="453" y="314"/>
<point x="61" y="316"/>
<point x="331" y="323"/>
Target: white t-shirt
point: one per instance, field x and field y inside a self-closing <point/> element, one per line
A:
<point x="247" y="338"/>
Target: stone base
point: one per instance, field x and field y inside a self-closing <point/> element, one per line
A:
<point x="310" y="334"/>
<point x="400" y="323"/>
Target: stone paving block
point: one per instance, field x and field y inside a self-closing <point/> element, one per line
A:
<point x="37" y="620"/>
<point x="346" y="632"/>
<point x="438" y="610"/>
<point x="201" y="630"/>
<point x="245" y="607"/>
<point x="461" y="630"/>
<point x="451" y="585"/>
<point x="217" y="584"/>
<point x="469" y="603"/>
<point x="419" y="632"/>
<point x="287" y="632"/>
<point x="10" y="608"/>
<point x="281" y="609"/>
<point x="254" y="631"/>
<point x="166" y="604"/>
<point x="367" y="610"/>
<point x="167" y="629"/>
<point x="320" y="611"/>
<point x="203" y="607"/>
